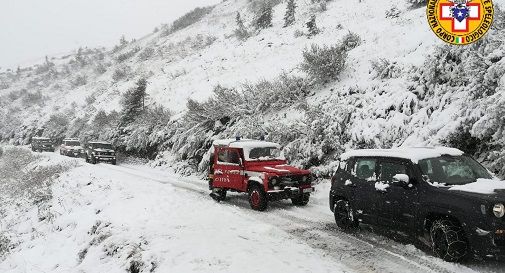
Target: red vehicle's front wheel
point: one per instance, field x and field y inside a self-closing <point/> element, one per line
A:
<point x="257" y="198"/>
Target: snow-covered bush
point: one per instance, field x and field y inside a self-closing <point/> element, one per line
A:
<point x="187" y="20"/>
<point x="416" y="3"/>
<point x="79" y="80"/>
<point x="127" y="55"/>
<point x="100" y="69"/>
<point x="121" y="73"/>
<point x="393" y="12"/>
<point x="90" y="99"/>
<point x="32" y="98"/>
<point x="324" y="63"/>
<point x="56" y="126"/>
<point x="146" y="54"/>
<point x="143" y="136"/>
<point x="284" y="91"/>
<point x="384" y="69"/>
<point x="350" y="41"/>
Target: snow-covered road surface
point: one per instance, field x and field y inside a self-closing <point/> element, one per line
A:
<point x="116" y="218"/>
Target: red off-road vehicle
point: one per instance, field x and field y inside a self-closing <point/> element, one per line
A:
<point x="258" y="168"/>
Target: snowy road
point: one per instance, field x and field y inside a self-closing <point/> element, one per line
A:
<point x="109" y="218"/>
<point x="314" y="226"/>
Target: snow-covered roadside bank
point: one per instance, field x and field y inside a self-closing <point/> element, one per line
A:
<point x="132" y="218"/>
<point x="107" y="220"/>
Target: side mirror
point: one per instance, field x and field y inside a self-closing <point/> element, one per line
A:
<point x="401" y="180"/>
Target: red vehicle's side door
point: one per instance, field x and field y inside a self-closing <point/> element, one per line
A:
<point x="228" y="171"/>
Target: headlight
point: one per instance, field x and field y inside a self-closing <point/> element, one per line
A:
<point x="274" y="181"/>
<point x="304" y="178"/>
<point x="499" y="210"/>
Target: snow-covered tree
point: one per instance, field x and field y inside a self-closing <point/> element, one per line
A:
<point x="133" y="102"/>
<point x="289" y="17"/>
<point x="312" y="26"/>
<point x="241" y="31"/>
<point x="264" y="17"/>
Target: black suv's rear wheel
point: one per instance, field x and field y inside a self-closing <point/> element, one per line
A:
<point x="448" y="240"/>
<point x="344" y="216"/>
<point x="257" y="198"/>
<point x="301" y="200"/>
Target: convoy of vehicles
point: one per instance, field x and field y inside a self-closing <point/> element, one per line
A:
<point x="71" y="147"/>
<point x="42" y="144"/>
<point x="100" y="151"/>
<point x="440" y="195"/>
<point x="259" y="169"/>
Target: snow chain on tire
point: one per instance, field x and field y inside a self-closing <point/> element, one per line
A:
<point x="448" y="240"/>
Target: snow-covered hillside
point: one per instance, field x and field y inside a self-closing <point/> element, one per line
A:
<point x="400" y="86"/>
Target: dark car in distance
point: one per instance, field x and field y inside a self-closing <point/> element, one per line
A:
<point x="100" y="151"/>
<point x="439" y="194"/>
<point x="42" y="144"/>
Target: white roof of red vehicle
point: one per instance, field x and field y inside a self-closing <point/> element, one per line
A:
<point x="244" y="143"/>
<point x="414" y="154"/>
<point x="99" y="142"/>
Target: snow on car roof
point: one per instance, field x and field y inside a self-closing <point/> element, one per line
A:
<point x="412" y="153"/>
<point x="99" y="142"/>
<point x="245" y="143"/>
<point x="41" y="138"/>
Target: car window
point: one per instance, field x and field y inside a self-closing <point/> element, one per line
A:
<point x="388" y="169"/>
<point x="228" y="156"/>
<point x="365" y="168"/>
<point x="453" y="170"/>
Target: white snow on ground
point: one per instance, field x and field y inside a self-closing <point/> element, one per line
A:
<point x="484" y="186"/>
<point x="159" y="225"/>
<point x="115" y="218"/>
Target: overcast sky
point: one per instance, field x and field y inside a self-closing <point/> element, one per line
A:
<point x="31" y="29"/>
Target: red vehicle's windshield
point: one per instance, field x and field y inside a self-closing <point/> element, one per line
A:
<point x="264" y="154"/>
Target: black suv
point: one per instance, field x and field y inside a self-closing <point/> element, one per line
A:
<point x="440" y="194"/>
<point x="99" y="151"/>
